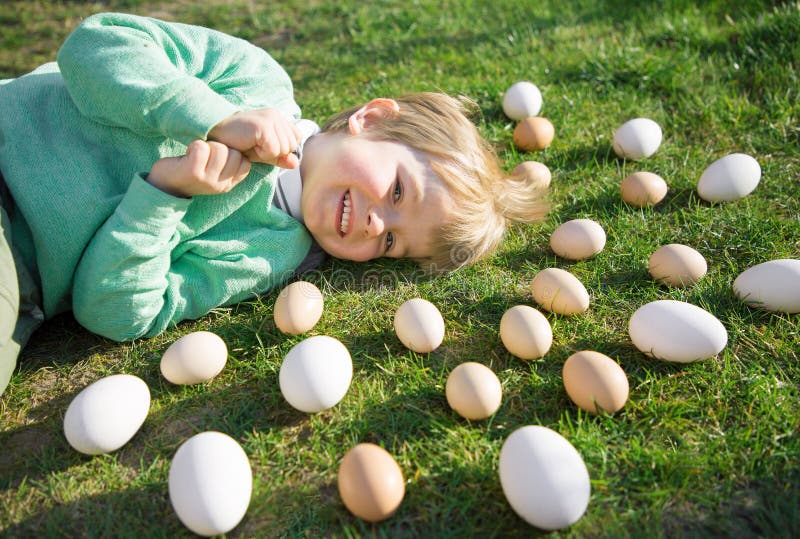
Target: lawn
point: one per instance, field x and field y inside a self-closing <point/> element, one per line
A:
<point x="707" y="449"/>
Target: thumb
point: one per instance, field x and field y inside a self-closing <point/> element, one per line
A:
<point x="289" y="160"/>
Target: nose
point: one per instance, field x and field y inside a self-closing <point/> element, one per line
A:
<point x="375" y="224"/>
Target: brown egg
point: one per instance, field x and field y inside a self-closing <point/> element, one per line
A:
<point x="536" y="172"/>
<point x="533" y="134"/>
<point x="419" y="325"/>
<point x="643" y="189"/>
<point x="677" y="265"/>
<point x="370" y="482"/>
<point x="298" y="307"/>
<point x="559" y="291"/>
<point x="473" y="391"/>
<point x="595" y="382"/>
<point x="578" y="239"/>
<point x="525" y="332"/>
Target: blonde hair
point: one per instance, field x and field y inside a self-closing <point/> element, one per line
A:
<point x="485" y="199"/>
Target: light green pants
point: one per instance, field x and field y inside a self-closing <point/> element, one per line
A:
<point x="20" y="298"/>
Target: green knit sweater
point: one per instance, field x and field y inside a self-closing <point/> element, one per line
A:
<point x="76" y="142"/>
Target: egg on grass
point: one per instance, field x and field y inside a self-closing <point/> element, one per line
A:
<point x="194" y="358"/>
<point x="473" y="391"/>
<point x="419" y="325"/>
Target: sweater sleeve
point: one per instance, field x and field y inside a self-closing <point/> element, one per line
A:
<point x="168" y="79"/>
<point x="136" y="278"/>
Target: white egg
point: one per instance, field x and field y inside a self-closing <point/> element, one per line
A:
<point x="578" y="239"/>
<point x="544" y="478"/>
<point x="637" y="139"/>
<point x="210" y="483"/>
<point x="316" y="374"/>
<point x="676" y="331"/>
<point x="194" y="358"/>
<point x="773" y="285"/>
<point x="106" y="414"/>
<point x="522" y="100"/>
<point x="729" y="178"/>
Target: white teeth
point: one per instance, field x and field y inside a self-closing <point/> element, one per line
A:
<point x="345" y="213"/>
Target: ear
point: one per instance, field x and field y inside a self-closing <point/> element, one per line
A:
<point x="375" y="109"/>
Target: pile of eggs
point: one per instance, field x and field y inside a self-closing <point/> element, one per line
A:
<point x="542" y="475"/>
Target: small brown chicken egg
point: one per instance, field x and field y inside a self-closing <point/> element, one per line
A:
<point x="419" y="325"/>
<point x="677" y="265"/>
<point x="194" y="358"/>
<point x="559" y="291"/>
<point x="370" y="482"/>
<point x="473" y="391"/>
<point x="595" y="382"/>
<point x="578" y="239"/>
<point x="538" y="173"/>
<point x="533" y="134"/>
<point x="643" y="189"/>
<point x="298" y="307"/>
<point x="525" y="332"/>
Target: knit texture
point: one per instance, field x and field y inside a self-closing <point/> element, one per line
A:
<point x="76" y="141"/>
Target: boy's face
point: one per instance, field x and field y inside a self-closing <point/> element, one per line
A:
<point x="363" y="199"/>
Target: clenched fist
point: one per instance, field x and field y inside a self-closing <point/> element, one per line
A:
<point x="208" y="168"/>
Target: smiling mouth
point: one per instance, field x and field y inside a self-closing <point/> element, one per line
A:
<point x="345" y="209"/>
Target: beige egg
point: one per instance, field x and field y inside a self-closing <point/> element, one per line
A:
<point x="559" y="291"/>
<point x="298" y="307"/>
<point x="643" y="189"/>
<point x="473" y="391"/>
<point x="525" y="332"/>
<point x="419" y="325"/>
<point x="370" y="482"/>
<point x="677" y="265"/>
<point x="194" y="358"/>
<point x="595" y="382"/>
<point x="578" y="239"/>
<point x="533" y="134"/>
<point x="537" y="173"/>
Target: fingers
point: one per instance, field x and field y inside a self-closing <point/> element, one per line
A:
<point x="277" y="141"/>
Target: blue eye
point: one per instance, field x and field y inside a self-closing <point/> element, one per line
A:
<point x="389" y="240"/>
<point x="398" y="190"/>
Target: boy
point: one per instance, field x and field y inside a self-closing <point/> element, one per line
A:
<point x="139" y="175"/>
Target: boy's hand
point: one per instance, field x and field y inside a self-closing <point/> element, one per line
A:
<point x="208" y="168"/>
<point x="262" y="135"/>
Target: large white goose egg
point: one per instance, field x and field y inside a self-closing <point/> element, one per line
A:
<point x="106" y="414"/>
<point x="637" y="139"/>
<point x="521" y="100"/>
<point x="544" y="478"/>
<point x="316" y="374"/>
<point x="773" y="285"/>
<point x="210" y="483"/>
<point x="676" y="331"/>
<point x="729" y="178"/>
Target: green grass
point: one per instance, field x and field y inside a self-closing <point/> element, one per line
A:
<point x="700" y="450"/>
